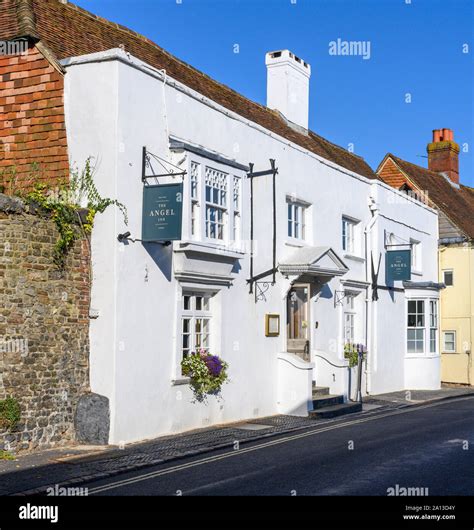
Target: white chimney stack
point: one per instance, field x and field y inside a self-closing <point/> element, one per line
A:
<point x="288" y="86"/>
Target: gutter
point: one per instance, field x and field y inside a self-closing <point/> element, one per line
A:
<point x="451" y="240"/>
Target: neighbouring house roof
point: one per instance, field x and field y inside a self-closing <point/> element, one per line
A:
<point x="456" y="202"/>
<point x="69" y="31"/>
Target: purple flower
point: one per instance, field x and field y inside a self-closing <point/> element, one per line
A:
<point x="214" y="365"/>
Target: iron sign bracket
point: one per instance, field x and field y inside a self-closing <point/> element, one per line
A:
<point x="339" y="297"/>
<point x="171" y="171"/>
<point x="273" y="171"/>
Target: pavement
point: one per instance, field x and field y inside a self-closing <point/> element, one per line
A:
<point x="416" y="451"/>
<point x="33" y="473"/>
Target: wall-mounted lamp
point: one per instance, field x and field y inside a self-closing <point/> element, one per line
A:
<point x="123" y="237"/>
<point x="126" y="237"/>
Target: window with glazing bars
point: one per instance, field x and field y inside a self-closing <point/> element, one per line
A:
<point x="216" y="203"/>
<point x="195" y="322"/>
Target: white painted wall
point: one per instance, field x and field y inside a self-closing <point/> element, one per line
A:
<point x="115" y="105"/>
<point x="295" y="378"/>
<point x="288" y="86"/>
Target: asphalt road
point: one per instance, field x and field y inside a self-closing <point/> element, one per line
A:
<point x="423" y="447"/>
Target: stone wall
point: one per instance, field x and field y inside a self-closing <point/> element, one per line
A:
<point x="44" y="328"/>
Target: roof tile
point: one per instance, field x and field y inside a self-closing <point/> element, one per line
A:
<point x="456" y="203"/>
<point x="69" y="31"/>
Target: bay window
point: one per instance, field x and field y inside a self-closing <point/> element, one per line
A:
<point x="194" y="192"/>
<point x="416" y="326"/>
<point x="215" y="205"/>
<point x="422" y="326"/>
<point x="433" y="325"/>
<point x="236" y="205"/>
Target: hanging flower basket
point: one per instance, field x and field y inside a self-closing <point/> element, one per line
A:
<point x="352" y="351"/>
<point x="207" y="374"/>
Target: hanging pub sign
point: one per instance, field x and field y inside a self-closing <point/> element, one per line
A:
<point x="162" y="212"/>
<point x="397" y="265"/>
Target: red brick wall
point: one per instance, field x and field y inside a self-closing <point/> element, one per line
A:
<point x="32" y="125"/>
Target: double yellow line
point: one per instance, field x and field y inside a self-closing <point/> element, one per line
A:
<point x="238" y="452"/>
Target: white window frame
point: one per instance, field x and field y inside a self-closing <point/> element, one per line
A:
<point x="216" y="204"/>
<point x="195" y="194"/>
<point x="433" y="325"/>
<point x="349" y="317"/>
<point x="349" y="235"/>
<point x="416" y="328"/>
<point x="236" y="208"/>
<point x="297" y="214"/>
<point x="230" y="203"/>
<point x="191" y="320"/>
<point x="429" y="330"/>
<point x="452" y="277"/>
<point x="454" y="341"/>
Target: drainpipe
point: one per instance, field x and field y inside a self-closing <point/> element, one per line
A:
<point x="374" y="210"/>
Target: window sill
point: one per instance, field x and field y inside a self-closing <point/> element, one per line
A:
<point x="229" y="250"/>
<point x="298" y="243"/>
<point x="421" y="355"/>
<point x="354" y="257"/>
<point x="181" y="381"/>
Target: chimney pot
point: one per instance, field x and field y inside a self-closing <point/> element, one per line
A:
<point x="443" y="154"/>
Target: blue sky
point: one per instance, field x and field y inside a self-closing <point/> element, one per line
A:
<point x="416" y="48"/>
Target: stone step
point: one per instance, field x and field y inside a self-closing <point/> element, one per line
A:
<point x="320" y="390"/>
<point x="320" y="401"/>
<point x="335" y="410"/>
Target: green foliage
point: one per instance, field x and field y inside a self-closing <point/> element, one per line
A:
<point x="351" y="352"/>
<point x="5" y="455"/>
<point x="64" y="205"/>
<point x="207" y="374"/>
<point x="10" y="413"/>
<point x="83" y="189"/>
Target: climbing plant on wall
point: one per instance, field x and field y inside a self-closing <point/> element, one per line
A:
<point x="73" y="206"/>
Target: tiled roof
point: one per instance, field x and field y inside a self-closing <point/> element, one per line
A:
<point x="70" y="31"/>
<point x="8" y="20"/>
<point x="456" y="203"/>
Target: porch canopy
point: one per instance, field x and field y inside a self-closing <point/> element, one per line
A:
<point x="319" y="262"/>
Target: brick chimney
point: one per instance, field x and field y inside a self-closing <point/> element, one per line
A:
<point x="443" y="154"/>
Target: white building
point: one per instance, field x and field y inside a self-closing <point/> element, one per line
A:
<point x="155" y="303"/>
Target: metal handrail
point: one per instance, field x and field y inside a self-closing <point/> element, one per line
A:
<point x="332" y="364"/>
